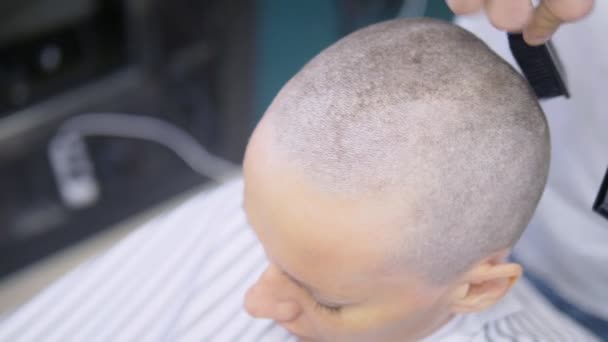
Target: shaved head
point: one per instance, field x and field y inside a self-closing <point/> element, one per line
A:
<point x="423" y="116"/>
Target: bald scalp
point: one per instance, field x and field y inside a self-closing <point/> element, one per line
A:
<point x="425" y="112"/>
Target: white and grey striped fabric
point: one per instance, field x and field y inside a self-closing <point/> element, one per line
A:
<point x="182" y="277"/>
<point x="522" y="316"/>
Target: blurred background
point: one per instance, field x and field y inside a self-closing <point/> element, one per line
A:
<point x="112" y="111"/>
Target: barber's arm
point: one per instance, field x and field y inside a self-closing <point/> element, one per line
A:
<point x="537" y="24"/>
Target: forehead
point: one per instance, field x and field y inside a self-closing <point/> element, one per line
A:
<point x="333" y="243"/>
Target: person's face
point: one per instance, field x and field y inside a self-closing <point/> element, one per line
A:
<point x="327" y="278"/>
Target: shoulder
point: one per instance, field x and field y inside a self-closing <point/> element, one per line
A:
<point x="178" y="265"/>
<point x="226" y="195"/>
<point x="536" y="320"/>
<point x="209" y="207"/>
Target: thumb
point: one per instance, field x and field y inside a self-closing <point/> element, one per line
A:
<point x="542" y="25"/>
<point x="550" y="14"/>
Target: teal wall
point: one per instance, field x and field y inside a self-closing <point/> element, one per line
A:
<point x="291" y="32"/>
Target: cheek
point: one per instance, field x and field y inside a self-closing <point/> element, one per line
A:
<point x="356" y="321"/>
<point x="383" y="321"/>
<point x="376" y="317"/>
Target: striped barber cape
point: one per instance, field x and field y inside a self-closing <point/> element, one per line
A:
<point x="183" y="275"/>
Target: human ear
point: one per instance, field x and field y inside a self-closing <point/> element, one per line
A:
<point x="485" y="285"/>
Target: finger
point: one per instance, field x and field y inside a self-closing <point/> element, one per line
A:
<point x="569" y="10"/>
<point x="461" y="7"/>
<point x="542" y="25"/>
<point x="550" y="14"/>
<point x="509" y="15"/>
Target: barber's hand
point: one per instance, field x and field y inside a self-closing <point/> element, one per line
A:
<point x="537" y="24"/>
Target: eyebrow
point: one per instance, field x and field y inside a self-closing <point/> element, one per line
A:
<point x="313" y="291"/>
<point x="301" y="284"/>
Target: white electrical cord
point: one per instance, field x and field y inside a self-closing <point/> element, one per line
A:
<point x="73" y="168"/>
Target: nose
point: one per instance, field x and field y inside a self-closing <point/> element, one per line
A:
<point x="270" y="297"/>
